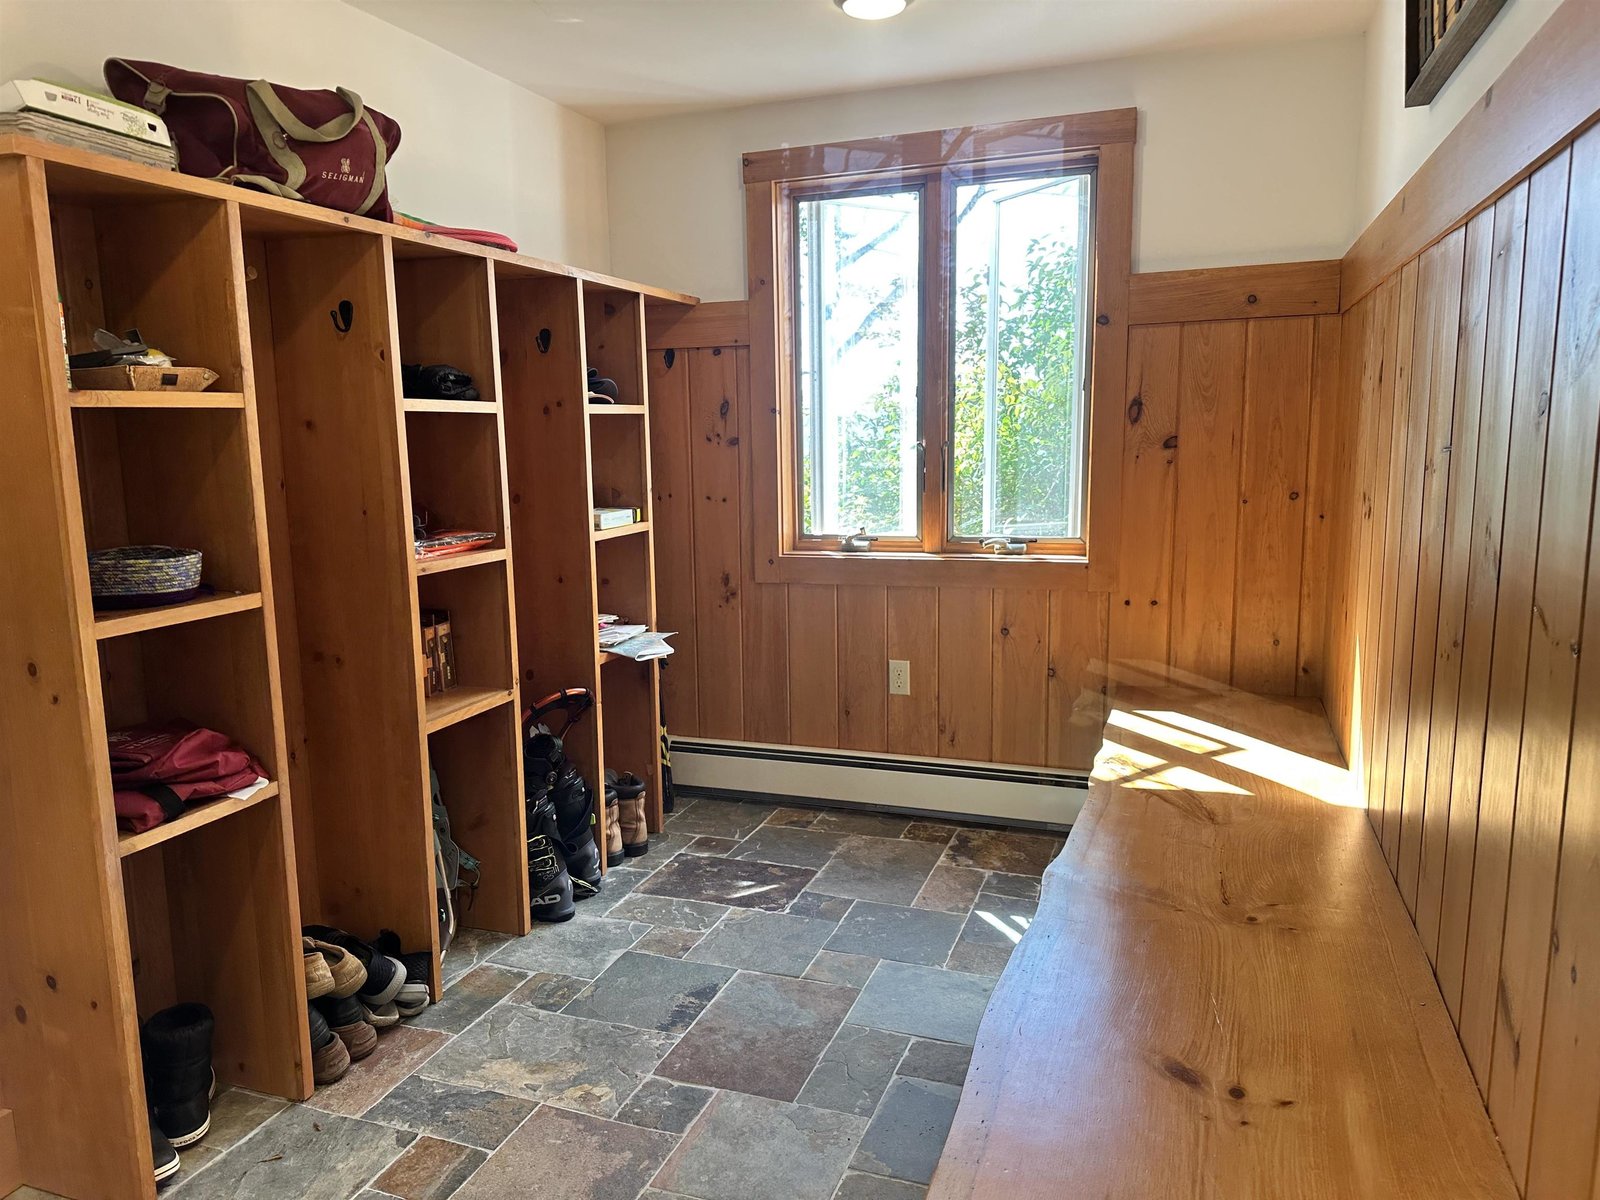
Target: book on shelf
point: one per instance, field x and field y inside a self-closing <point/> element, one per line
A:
<point x="88" y="109"/>
<point x="616" y="518"/>
<point x="63" y="132"/>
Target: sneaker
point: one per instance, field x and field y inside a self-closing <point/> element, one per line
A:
<point x="348" y="1020"/>
<point x="330" y="1058"/>
<point x="384" y="974"/>
<point x="319" y="976"/>
<point x="161" y="1151"/>
<point x="383" y="1015"/>
<point x="348" y="972"/>
<point x="176" y="1047"/>
<point x="414" y="994"/>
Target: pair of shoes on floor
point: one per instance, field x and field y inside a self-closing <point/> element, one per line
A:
<point x="382" y="976"/>
<point x="413" y="995"/>
<point x="331" y="970"/>
<point x="175" y="1045"/>
<point x="632" y="831"/>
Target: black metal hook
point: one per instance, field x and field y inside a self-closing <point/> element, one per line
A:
<point x="542" y="340"/>
<point x="343" y="316"/>
<point x="669" y="357"/>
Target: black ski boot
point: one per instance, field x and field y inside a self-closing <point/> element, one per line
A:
<point x="176" y="1047"/>
<point x="574" y="804"/>
<point x="549" y="885"/>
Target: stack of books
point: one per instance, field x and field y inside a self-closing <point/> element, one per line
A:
<point x="37" y="109"/>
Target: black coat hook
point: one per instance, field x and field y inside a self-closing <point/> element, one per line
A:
<point x="542" y="340"/>
<point x="343" y="316"/>
<point x="669" y="357"/>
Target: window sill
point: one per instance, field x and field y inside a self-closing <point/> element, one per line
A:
<point x="914" y="569"/>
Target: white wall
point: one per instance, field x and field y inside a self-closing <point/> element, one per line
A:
<point x="476" y="150"/>
<point x="1396" y="140"/>
<point x="1244" y="156"/>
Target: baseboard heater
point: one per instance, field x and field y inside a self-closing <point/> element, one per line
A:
<point x="971" y="791"/>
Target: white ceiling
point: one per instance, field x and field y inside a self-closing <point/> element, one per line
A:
<point x="616" y="60"/>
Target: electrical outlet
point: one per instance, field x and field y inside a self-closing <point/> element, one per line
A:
<point x="899" y="677"/>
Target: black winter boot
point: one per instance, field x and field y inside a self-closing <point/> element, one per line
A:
<point x="161" y="1151"/>
<point x="549" y="885"/>
<point x="176" y="1047"/>
<point x="574" y="804"/>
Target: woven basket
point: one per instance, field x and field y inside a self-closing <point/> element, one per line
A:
<point x="143" y="576"/>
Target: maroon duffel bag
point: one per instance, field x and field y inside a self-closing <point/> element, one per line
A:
<point x="324" y="147"/>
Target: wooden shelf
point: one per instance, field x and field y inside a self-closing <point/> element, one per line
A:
<point x="130" y="399"/>
<point x="137" y="620"/>
<point x="455" y="562"/>
<point x="616" y="410"/>
<point x="460" y="703"/>
<point x="199" y="815"/>
<point x="605" y="535"/>
<point x="488" y="407"/>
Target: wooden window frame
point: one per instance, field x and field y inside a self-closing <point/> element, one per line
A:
<point x="772" y="180"/>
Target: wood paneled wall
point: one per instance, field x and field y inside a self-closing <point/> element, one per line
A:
<point x="1464" y="598"/>
<point x="1226" y="449"/>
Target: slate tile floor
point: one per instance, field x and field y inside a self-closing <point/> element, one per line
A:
<point x="774" y="1003"/>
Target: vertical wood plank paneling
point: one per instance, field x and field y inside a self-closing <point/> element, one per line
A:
<point x="718" y="572"/>
<point x="1077" y="685"/>
<point x="672" y="523"/>
<point x="1334" y="433"/>
<point x="813" y="665"/>
<point x="863" y="668"/>
<point x="766" y="661"/>
<point x="966" y="672"/>
<point x="1406" y="503"/>
<point x="914" y="638"/>
<point x="1433" y="390"/>
<point x="1566" y="1115"/>
<point x="1021" y="669"/>
<point x="1210" y="409"/>
<point x="1455" y="559"/>
<point x="1483" y="581"/>
<point x="1541" y="279"/>
<point x="1272" y="488"/>
<point x="1142" y="603"/>
<point x="1558" y="601"/>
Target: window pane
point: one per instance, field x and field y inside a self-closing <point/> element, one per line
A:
<point x="857" y="321"/>
<point x="1020" y="341"/>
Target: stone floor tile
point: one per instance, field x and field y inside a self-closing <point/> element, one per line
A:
<point x="856" y="1186"/>
<point x="668" y="942"/>
<point x="429" y="1169"/>
<point x="794" y="847"/>
<point x="467" y="949"/>
<point x="825" y="908"/>
<point x="471" y="1116"/>
<point x="720" y="818"/>
<point x="664" y="1105"/>
<point x="235" y="1114"/>
<point x="580" y="948"/>
<point x="734" y="882"/>
<point x="855" y="1070"/>
<point x="548" y="990"/>
<point x="1002" y="850"/>
<point x="829" y="966"/>
<point x="950" y="889"/>
<point x="717" y="846"/>
<point x="762" y="1035"/>
<point x="872" y="868"/>
<point x="618" y="884"/>
<point x="753" y="940"/>
<point x="468" y="998"/>
<point x="870" y="824"/>
<point x="749" y="1146"/>
<point x="930" y="831"/>
<point x="924" y="1002"/>
<point x="670" y="911"/>
<point x="794" y="818"/>
<point x="941" y="1062"/>
<point x="567" y="1061"/>
<point x="915" y="935"/>
<point x="650" y="992"/>
<point x="991" y="933"/>
<point x="401" y="1050"/>
<point x="908" y="1131"/>
<point x="303" y="1153"/>
<point x="1025" y="887"/>
<point x="564" y="1155"/>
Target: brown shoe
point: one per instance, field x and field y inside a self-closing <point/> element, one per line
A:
<point x="319" y="979"/>
<point x="348" y="971"/>
<point x="329" y="1057"/>
<point x="635" y="832"/>
<point x="614" y="854"/>
<point x="348" y="1020"/>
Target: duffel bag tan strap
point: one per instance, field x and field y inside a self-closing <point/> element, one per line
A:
<point x="330" y="131"/>
<point x="262" y="183"/>
<point x="380" y="159"/>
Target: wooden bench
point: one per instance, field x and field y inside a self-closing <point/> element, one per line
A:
<point x="1222" y="995"/>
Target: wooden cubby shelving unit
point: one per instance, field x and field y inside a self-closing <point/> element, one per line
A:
<point x="296" y="478"/>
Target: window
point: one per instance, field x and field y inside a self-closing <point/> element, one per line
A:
<point x="1009" y="296"/>
<point x="932" y="316"/>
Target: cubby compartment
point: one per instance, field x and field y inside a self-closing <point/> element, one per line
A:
<point x="479" y="603"/>
<point x="613" y="328"/>
<point x="619" y="456"/>
<point x="456" y="470"/>
<point x="444" y="310"/>
<point x="479" y="764"/>
<point x="144" y="259"/>
<point x="211" y="920"/>
<point x="623" y="581"/>
<point x="173" y="477"/>
<point x="631" y="719"/>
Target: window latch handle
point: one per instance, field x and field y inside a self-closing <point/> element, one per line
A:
<point x="1002" y="545"/>
<point x="856" y="542"/>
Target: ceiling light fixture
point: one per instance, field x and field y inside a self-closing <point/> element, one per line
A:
<point x="872" y="10"/>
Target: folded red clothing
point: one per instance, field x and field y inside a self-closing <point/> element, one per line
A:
<point x="158" y="769"/>
<point x="483" y="237"/>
